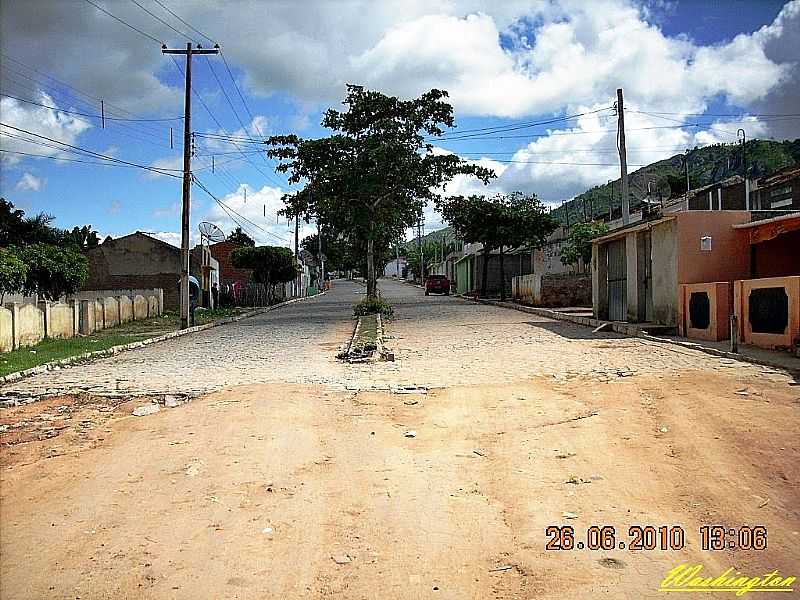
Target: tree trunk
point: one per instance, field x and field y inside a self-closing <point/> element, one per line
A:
<point x="485" y="280"/>
<point x="502" y="277"/>
<point x="372" y="283"/>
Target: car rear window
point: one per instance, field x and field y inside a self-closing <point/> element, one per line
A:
<point x="437" y="277"/>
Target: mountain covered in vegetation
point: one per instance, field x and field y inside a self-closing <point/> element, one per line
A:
<point x="667" y="178"/>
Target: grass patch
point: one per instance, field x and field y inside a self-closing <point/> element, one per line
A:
<point x="373" y="305"/>
<point x="49" y="349"/>
<point x="367" y="337"/>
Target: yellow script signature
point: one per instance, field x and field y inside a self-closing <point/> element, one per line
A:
<point x="688" y="578"/>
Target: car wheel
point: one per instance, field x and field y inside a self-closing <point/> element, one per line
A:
<point x="447" y="293"/>
<point x="427" y="293"/>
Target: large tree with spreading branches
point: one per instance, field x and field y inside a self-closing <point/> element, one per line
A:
<point x="372" y="177"/>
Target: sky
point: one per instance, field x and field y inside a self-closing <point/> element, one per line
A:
<point x="693" y="72"/>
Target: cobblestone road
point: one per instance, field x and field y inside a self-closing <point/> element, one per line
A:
<point x="437" y="341"/>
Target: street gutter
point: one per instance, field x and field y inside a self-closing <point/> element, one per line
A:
<point x="632" y="331"/>
<point x="88" y="356"/>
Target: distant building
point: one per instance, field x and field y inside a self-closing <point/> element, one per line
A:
<point x="779" y="191"/>
<point x="395" y="268"/>
<point x="139" y="260"/>
<point x="228" y="274"/>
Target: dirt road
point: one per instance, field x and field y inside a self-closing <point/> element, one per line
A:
<point x="310" y="490"/>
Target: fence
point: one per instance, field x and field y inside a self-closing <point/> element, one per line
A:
<point x="555" y="289"/>
<point x="28" y="324"/>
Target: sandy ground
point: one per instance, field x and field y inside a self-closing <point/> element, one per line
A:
<point x="287" y="489"/>
<point x="258" y="491"/>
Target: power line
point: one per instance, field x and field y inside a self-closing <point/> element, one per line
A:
<point x="516" y="126"/>
<point x="124" y="22"/>
<point x="93" y="153"/>
<point x="200" y="33"/>
<point x="221" y="203"/>
<point x="162" y="21"/>
<point x="224" y="93"/>
<point x="714" y="114"/>
<point x="95" y="116"/>
<point x="80" y="97"/>
<point x="76" y="160"/>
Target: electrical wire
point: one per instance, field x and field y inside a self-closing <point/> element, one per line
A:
<point x="200" y="33"/>
<point x="162" y="21"/>
<point x="221" y="203"/>
<point x="124" y="22"/>
<point x="93" y="153"/>
<point x="95" y="116"/>
<point x="75" y="160"/>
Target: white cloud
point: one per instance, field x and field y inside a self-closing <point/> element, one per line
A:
<point x="37" y="120"/>
<point x="250" y="214"/>
<point x="29" y="183"/>
<point x="168" y="163"/>
<point x="114" y="207"/>
<point x="171" y="237"/>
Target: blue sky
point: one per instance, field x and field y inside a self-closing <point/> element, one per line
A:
<point x="519" y="62"/>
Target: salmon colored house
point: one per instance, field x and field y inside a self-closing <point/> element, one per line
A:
<point x="691" y="270"/>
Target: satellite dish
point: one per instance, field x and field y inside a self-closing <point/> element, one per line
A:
<point x="210" y="233"/>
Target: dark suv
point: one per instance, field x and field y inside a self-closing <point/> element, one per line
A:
<point x="438" y="284"/>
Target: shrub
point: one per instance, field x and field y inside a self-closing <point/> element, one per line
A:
<point x="372" y="305"/>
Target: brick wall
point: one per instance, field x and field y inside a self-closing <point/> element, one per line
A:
<point x="222" y="252"/>
<point x="566" y="289"/>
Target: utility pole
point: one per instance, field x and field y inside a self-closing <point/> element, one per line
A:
<point x="419" y="250"/>
<point x="744" y="168"/>
<point x="187" y="172"/>
<point x="686" y="170"/>
<point x="298" y="281"/>
<point x="319" y="253"/>
<point x="623" y="159"/>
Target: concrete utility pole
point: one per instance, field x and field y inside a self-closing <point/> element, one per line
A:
<point x="744" y="168"/>
<point x="623" y="159"/>
<point x="686" y="170"/>
<point x="298" y="281"/>
<point x="319" y="253"/>
<point x="187" y="173"/>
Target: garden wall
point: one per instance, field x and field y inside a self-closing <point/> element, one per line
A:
<point x="27" y="324"/>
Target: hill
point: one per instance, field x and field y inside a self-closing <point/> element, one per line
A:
<point x="706" y="165"/>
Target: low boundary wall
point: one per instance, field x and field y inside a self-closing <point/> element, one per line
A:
<point x="27" y="324"/>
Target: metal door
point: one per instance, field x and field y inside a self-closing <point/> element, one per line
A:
<point x="648" y="278"/>
<point x="617" y="281"/>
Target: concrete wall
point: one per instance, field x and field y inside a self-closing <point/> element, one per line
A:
<point x="61" y="322"/>
<point x="110" y="312"/>
<point x="741" y="302"/>
<point x="729" y="257"/>
<point x="125" y="309"/>
<point x="6" y="330"/>
<point x="664" y="253"/>
<point x="554" y="290"/>
<point x="28" y="324"/>
<point x="720" y="295"/>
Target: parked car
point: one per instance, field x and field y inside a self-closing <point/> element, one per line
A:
<point x="438" y="284"/>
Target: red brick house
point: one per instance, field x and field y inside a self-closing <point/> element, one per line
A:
<point x="228" y="274"/>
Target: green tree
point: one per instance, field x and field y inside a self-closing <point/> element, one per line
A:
<point x="53" y="271"/>
<point x="13" y="272"/>
<point x="372" y="177"/>
<point x="82" y="238"/>
<point x="240" y="237"/>
<point x="579" y="242"/>
<point x="498" y="222"/>
<point x="271" y="265"/>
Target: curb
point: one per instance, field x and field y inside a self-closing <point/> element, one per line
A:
<point x="376" y="354"/>
<point x="87" y="356"/>
<point x="631" y="331"/>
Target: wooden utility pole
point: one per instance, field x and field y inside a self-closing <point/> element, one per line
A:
<point x="623" y="159"/>
<point x="187" y="173"/>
